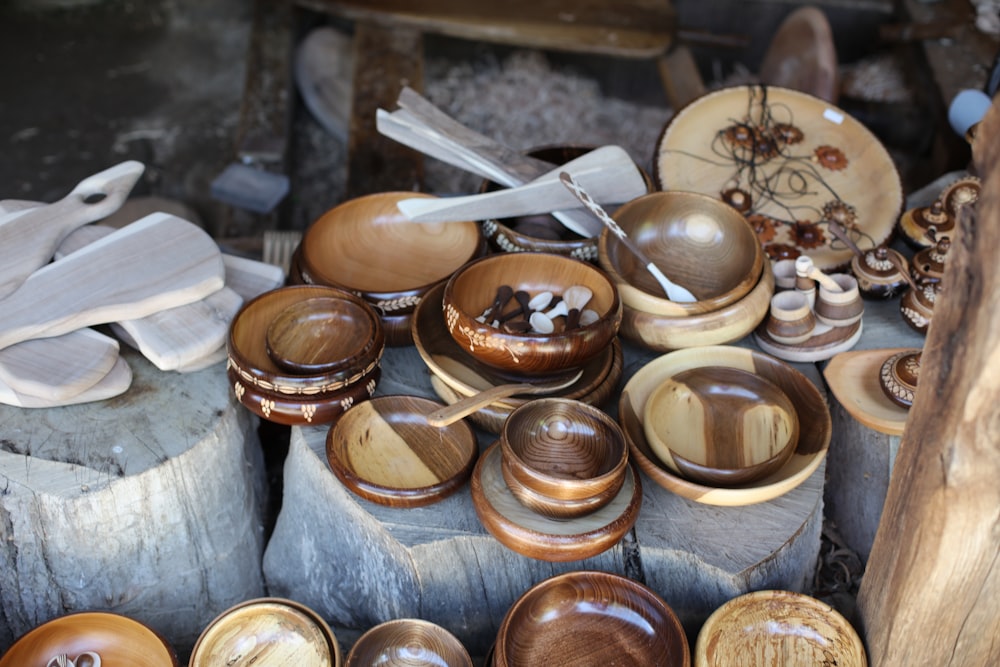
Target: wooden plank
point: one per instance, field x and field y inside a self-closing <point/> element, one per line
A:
<point x="624" y="28"/>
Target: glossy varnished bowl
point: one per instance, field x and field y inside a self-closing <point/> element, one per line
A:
<point x="590" y="618"/>
<point x="408" y="642"/>
<point x="775" y="629"/>
<point x="115" y="639"/>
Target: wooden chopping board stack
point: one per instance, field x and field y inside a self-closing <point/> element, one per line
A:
<point x="161" y="283"/>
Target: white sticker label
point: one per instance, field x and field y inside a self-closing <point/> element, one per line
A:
<point x="833" y="116"/>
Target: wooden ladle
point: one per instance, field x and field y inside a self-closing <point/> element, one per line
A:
<point x="466" y="406"/>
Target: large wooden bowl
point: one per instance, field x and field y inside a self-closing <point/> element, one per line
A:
<point x="366" y="245"/>
<point x="815" y="425"/>
<point x="408" y="642"/>
<point x="590" y="618"/>
<point x="267" y="631"/>
<point x="385" y="451"/>
<point x="777" y="628"/>
<point x="792" y="161"/>
<point x="116" y="639"/>
<point x="472" y="289"/>
<point x="696" y="240"/>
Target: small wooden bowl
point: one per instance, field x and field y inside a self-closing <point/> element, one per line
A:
<point x="590" y="618"/>
<point x="321" y="335"/>
<point x="116" y="639"/>
<point x="366" y="245"/>
<point x="777" y="628"/>
<point x="815" y="425"/>
<point x="699" y="242"/>
<point x="384" y="451"/>
<point x="472" y="289"/>
<point x="406" y="642"/>
<point x="720" y="426"/>
<point x="267" y="631"/>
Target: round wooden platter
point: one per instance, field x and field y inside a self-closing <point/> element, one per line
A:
<point x="820" y="347"/>
<point x="537" y="536"/>
<point x="800" y="159"/>
<point x="853" y="378"/>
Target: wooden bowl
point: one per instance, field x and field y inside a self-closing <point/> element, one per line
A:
<point x="385" y="451"/>
<point x="777" y="628"/>
<point x="472" y="289"/>
<point x="590" y="618"/>
<point x="537" y="536"/>
<point x="267" y="631"/>
<point x="116" y="639"/>
<point x="696" y="240"/>
<point x="246" y="345"/>
<point x="720" y="426"/>
<point x="662" y="333"/>
<point x="366" y="245"/>
<point x="815" y="426"/>
<point x="564" y="449"/>
<point x="408" y="642"/>
<point x="321" y="335"/>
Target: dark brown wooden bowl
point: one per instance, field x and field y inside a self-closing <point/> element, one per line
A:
<point x="385" y="451"/>
<point x="116" y="639"/>
<point x="699" y="242"/>
<point x="320" y="335"/>
<point x="366" y="245"/>
<point x="472" y="289"/>
<point x="590" y="618"/>
<point x="408" y="642"/>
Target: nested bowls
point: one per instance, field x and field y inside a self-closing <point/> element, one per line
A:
<point x="473" y="288"/>
<point x="113" y="638"/>
<point x="590" y="618"/>
<point x="408" y="642"/>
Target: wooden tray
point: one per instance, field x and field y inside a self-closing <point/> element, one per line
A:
<point x="853" y="378"/>
<point x="820" y="347"/>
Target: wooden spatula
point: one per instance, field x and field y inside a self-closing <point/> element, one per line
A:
<point x="29" y="237"/>
<point x="58" y="368"/>
<point x="466" y="406"/>
<point x="115" y="382"/>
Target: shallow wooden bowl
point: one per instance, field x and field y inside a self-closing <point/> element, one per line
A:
<point x="248" y="356"/>
<point x="696" y="240"/>
<point x="385" y="451"/>
<point x="366" y="245"/>
<point x="720" y="426"/>
<point x="408" y="642"/>
<point x="815" y="426"/>
<point x="472" y="289"/>
<point x="320" y="335"/>
<point x="115" y="639"/>
<point x="590" y="618"/>
<point x="777" y="628"/>
<point x="267" y="631"/>
<point x="564" y="449"/>
<point x="662" y="333"/>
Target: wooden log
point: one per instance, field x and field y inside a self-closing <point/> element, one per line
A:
<point x="149" y="504"/>
<point x="930" y="589"/>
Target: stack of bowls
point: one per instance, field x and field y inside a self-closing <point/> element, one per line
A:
<point x="304" y="354"/>
<point x="700" y="243"/>
<point x="367" y="246"/>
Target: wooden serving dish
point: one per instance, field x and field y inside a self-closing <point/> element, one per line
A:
<point x="408" y="642"/>
<point x="384" y="451"/>
<point x="815" y="426"/>
<point x="590" y="618"/>
<point x="303" y="410"/>
<point x="854" y="381"/>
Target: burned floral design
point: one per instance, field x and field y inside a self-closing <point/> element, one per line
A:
<point x="806" y="234"/>
<point x="840" y="212"/>
<point x="778" y="251"/>
<point x="788" y="133"/>
<point x="831" y="157"/>
<point x="764" y="226"/>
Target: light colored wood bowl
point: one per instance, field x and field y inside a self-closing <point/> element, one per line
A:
<point x="778" y="628"/>
<point x="320" y="335"/>
<point x="385" y="451"/>
<point x="590" y="618"/>
<point x="534" y="535"/>
<point x="662" y="333"/>
<point x="698" y="241"/>
<point x="116" y="639"/>
<point x="815" y="425"/>
<point x="408" y="642"/>
<point x="267" y="631"/>
<point x="366" y="245"/>
<point x="720" y="426"/>
<point x="472" y="289"/>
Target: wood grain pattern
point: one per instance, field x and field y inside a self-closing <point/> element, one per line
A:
<point x="320" y="335"/>
<point x="408" y="642"/>
<point x="115" y="382"/>
<point x="60" y="367"/>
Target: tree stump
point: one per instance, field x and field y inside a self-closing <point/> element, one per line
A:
<point x="149" y="504"/>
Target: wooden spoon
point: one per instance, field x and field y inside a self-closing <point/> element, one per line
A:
<point x="466" y="406"/>
<point x="30" y="237"/>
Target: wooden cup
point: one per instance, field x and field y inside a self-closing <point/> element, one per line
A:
<point x="843" y="308"/>
<point x="791" y="321"/>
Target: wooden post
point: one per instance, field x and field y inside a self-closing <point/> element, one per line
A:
<point x="930" y="594"/>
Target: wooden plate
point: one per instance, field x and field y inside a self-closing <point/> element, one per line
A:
<point x="799" y="158"/>
<point x="854" y="380"/>
<point x="827" y="342"/>
<point x="384" y="451"/>
<point x="536" y="536"/>
<point x="815" y="426"/>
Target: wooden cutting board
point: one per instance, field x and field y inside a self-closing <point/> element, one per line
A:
<point x="55" y="369"/>
<point x="115" y="382"/>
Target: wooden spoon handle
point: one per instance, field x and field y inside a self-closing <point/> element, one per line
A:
<point x="845" y="238"/>
<point x="466" y="406"/>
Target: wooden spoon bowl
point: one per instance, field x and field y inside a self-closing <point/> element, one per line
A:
<point x="405" y="642"/>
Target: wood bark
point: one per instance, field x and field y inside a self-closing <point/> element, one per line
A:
<point x="930" y="593"/>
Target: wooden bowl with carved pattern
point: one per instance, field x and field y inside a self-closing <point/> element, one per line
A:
<point x="405" y="642"/>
